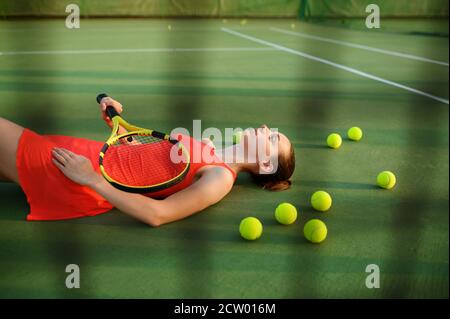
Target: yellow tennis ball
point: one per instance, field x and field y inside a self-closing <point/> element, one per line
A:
<point x="243" y="22"/>
<point x="293" y="26"/>
<point x="386" y="179"/>
<point x="250" y="228"/>
<point x="286" y="213"/>
<point x="237" y="137"/>
<point x="321" y="201"/>
<point x="334" y="140"/>
<point x="355" y="133"/>
<point x="315" y="231"/>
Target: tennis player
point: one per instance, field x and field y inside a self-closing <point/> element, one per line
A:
<point x="61" y="179"/>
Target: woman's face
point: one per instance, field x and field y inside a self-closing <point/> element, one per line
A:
<point x="263" y="146"/>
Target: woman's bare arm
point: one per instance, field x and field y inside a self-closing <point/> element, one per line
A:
<point x="210" y="188"/>
<point x="145" y="209"/>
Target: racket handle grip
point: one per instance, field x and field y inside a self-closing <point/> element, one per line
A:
<point x="110" y="111"/>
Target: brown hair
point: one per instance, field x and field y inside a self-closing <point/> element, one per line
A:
<point x="279" y="180"/>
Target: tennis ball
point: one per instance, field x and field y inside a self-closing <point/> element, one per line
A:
<point x="250" y="228"/>
<point x="315" y="231"/>
<point x="237" y="137"/>
<point x="386" y="179"/>
<point x="286" y="213"/>
<point x="355" y="133"/>
<point x="169" y="27"/>
<point x="321" y="201"/>
<point x="293" y="26"/>
<point x="243" y="22"/>
<point x="334" y="140"/>
<point x="224" y="20"/>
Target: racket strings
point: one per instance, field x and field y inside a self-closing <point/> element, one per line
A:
<point x="143" y="160"/>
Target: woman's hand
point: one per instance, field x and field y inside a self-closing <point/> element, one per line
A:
<point x="76" y="167"/>
<point x="105" y="102"/>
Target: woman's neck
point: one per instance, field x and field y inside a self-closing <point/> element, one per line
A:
<point x="234" y="157"/>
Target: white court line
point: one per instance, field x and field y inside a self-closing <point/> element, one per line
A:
<point x="336" y="65"/>
<point x="87" y="29"/>
<point x="154" y="50"/>
<point x="360" y="46"/>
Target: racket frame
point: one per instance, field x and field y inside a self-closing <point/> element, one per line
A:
<point x="132" y="131"/>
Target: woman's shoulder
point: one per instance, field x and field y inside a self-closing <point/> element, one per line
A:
<point x="214" y="172"/>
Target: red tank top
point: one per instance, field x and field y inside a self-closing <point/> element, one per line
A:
<point x="201" y="155"/>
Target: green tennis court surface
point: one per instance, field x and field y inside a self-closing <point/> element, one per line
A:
<point x="271" y="73"/>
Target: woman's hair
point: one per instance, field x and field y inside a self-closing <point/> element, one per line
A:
<point x="279" y="180"/>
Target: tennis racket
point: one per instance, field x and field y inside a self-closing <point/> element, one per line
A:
<point x="141" y="160"/>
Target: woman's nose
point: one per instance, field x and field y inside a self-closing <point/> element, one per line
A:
<point x="263" y="129"/>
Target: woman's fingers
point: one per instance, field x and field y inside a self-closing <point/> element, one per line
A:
<point x="58" y="164"/>
<point x="63" y="155"/>
<point x="68" y="153"/>
<point x="107" y="101"/>
<point x="76" y="167"/>
<point x="59" y="156"/>
<point x="103" y="105"/>
<point x="62" y="152"/>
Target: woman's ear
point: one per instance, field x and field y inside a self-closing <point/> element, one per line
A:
<point x="265" y="167"/>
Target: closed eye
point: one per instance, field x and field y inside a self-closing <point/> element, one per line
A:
<point x="274" y="137"/>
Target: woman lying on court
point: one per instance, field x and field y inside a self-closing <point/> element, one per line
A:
<point x="61" y="175"/>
